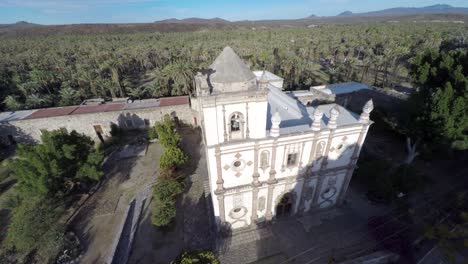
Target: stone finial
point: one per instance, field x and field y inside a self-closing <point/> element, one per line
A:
<point x="263" y="82"/>
<point x="275" y="122"/>
<point x="317" y="120"/>
<point x="334" y="113"/>
<point x="366" y="110"/>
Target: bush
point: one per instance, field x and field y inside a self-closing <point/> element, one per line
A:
<point x="152" y="133"/>
<point x="172" y="158"/>
<point x="167" y="188"/>
<point x="166" y="132"/>
<point x="202" y="257"/>
<point x="164" y="195"/>
<point x="164" y="212"/>
<point x="35" y="226"/>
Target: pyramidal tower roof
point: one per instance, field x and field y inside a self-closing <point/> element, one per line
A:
<point x="229" y="68"/>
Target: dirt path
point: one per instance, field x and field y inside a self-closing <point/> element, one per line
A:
<point x="98" y="222"/>
<point x="191" y="229"/>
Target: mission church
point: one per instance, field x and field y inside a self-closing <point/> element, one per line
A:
<point x="268" y="154"/>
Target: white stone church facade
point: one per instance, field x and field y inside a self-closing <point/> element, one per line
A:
<point x="268" y="155"/>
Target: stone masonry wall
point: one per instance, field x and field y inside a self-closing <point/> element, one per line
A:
<point x="30" y="129"/>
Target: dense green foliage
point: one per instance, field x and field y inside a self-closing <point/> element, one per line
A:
<point x="35" y="225"/>
<point x="166" y="132"/>
<point x="54" y="167"/>
<point x="173" y="157"/>
<point x="62" y="70"/>
<point x="164" y="195"/>
<point x="202" y="257"/>
<point x="385" y="181"/>
<point x="167" y="187"/>
<point x="450" y="231"/>
<point x="440" y="106"/>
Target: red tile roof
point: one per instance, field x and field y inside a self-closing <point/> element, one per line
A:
<point x="167" y="101"/>
<point x="51" y="112"/>
<point x="107" y="107"/>
<point x="88" y="109"/>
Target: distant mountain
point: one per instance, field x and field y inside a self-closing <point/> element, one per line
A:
<point x="19" y="24"/>
<point x="346" y="13"/>
<point x="312" y="17"/>
<point x="194" y="20"/>
<point x="406" y="11"/>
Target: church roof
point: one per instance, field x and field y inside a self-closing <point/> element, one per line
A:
<point x="295" y="117"/>
<point x="229" y="68"/>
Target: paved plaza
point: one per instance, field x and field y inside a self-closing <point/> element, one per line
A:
<point x="313" y="238"/>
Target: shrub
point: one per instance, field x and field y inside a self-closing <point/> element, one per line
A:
<point x="202" y="257"/>
<point x="164" y="194"/>
<point x="172" y="158"/>
<point x="152" y="133"/>
<point x="168" y="137"/>
<point x="167" y="188"/>
<point x="35" y="226"/>
<point x="164" y="212"/>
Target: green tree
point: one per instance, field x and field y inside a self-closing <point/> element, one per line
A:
<point x="34" y="225"/>
<point x="438" y="109"/>
<point x="55" y="166"/>
<point x="12" y="103"/>
<point x="165" y="192"/>
<point x="164" y="212"/>
<point x="172" y="158"/>
<point x="166" y="187"/>
<point x="166" y="132"/>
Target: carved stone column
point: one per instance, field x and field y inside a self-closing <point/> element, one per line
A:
<point x="219" y="192"/>
<point x="271" y="181"/>
<point x="255" y="184"/>
<point x="323" y="166"/>
<point x="225" y="135"/>
<point x="247" y="130"/>
<point x="352" y="163"/>
<point x="308" y="174"/>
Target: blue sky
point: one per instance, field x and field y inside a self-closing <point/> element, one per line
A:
<point x="128" y="11"/>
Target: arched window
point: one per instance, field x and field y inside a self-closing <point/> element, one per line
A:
<point x="264" y="156"/>
<point x="236" y="126"/>
<point x="236" y="119"/>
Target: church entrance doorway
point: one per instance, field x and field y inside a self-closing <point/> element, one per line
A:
<point x="284" y="207"/>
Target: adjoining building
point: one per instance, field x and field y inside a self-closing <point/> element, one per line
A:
<point x="93" y="119"/>
<point x="268" y="154"/>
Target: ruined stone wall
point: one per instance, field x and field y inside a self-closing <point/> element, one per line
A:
<point x="30" y="129"/>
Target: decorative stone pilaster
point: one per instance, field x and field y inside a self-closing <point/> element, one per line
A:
<point x="247" y="130"/>
<point x="352" y="163"/>
<point x="219" y="171"/>
<point x="225" y="135"/>
<point x="222" y="213"/>
<point x="255" y="184"/>
<point x="219" y="192"/>
<point x="334" y="115"/>
<point x="271" y="181"/>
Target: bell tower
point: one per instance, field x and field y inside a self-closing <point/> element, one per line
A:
<point x="232" y="104"/>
